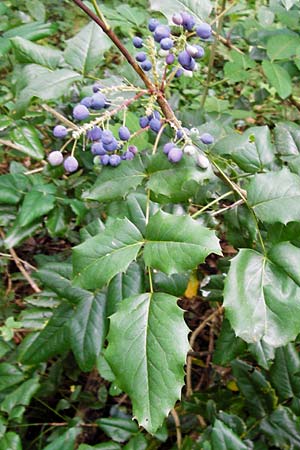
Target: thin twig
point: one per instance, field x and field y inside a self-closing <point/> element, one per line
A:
<point x="189" y="388"/>
<point x="178" y="428"/>
<point x="226" y="208"/>
<point x="59" y="116"/>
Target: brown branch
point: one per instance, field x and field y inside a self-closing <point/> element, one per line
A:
<point x="178" y="429"/>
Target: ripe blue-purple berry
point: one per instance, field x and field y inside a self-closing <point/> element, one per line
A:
<point x="177" y="19"/>
<point x="184" y="59"/>
<point x="168" y="147"/>
<point x="200" y="52"/>
<point x="55" y="158"/>
<point x="192" y="50"/>
<point x="128" y="155"/>
<point x="137" y="42"/>
<point x="96" y="87"/>
<point x="94" y="134"/>
<point x="114" y="160"/>
<point x="60" y="131"/>
<point x="175" y="155"/>
<point x="71" y="164"/>
<point x="152" y="24"/>
<point x="188" y="21"/>
<point x="204" y="30"/>
<point x="124" y="133"/>
<point x="80" y="112"/>
<point x="107" y="137"/>
<point x="141" y="56"/>
<point x="166" y="43"/>
<point x="133" y="149"/>
<point x="98" y="149"/>
<point x="98" y="101"/>
<point x="111" y="146"/>
<point x="155" y="114"/>
<point x="178" y="73"/>
<point x="179" y="134"/>
<point x="161" y="32"/>
<point x="86" y="101"/>
<point x="207" y="138"/>
<point x="155" y="125"/>
<point x="146" y="65"/>
<point x="104" y="159"/>
<point x="144" y="122"/>
<point x="170" y="59"/>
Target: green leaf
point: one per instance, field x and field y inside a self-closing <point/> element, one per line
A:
<point x="177" y="243"/>
<point x="9" y="376"/>
<point x="88" y="330"/>
<point x="36" y="9"/>
<point x="28" y="52"/>
<point x="17" y="234"/>
<point x="261" y="296"/>
<point x="138" y="442"/>
<point x="85" y="50"/>
<point x="12" y="188"/>
<point x="199" y="8"/>
<point x="278" y="77"/>
<point x="275" y="196"/>
<point x="263" y="353"/>
<point x="52" y="340"/>
<point x="118" y="429"/>
<point x="32" y="31"/>
<point x="252" y="151"/>
<point x="36" y="204"/>
<point x="66" y="441"/>
<point x="285" y="372"/>
<point x="27" y="138"/>
<point x="283" y="46"/>
<point x="282" y="428"/>
<point x="11" y="441"/>
<point x="258" y="392"/>
<point x="228" y="346"/>
<point x="99" y="259"/>
<point x="20" y="397"/>
<point x="223" y="438"/>
<point x="105" y="446"/>
<point x="145" y="358"/>
<point x="114" y="183"/>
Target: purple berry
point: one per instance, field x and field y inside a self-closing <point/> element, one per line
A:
<point x="170" y="59"/>
<point x="168" y="147"/>
<point x="192" y="50"/>
<point x="152" y="24"/>
<point x="146" y="65"/>
<point x="166" y="43"/>
<point x="178" y="73"/>
<point x="177" y="19"/>
<point x="97" y="87"/>
<point x="112" y="146"/>
<point x="161" y="32"/>
<point x="155" y="114"/>
<point x="128" y="155"/>
<point x="133" y="149"/>
<point x="192" y="65"/>
<point x="204" y="30"/>
<point x="124" y="133"/>
<point x="184" y="59"/>
<point x="55" y="158"/>
<point x="80" y="112"/>
<point x="104" y="160"/>
<point x="179" y="134"/>
<point x="98" y="101"/>
<point x="60" y="131"/>
<point x="200" y="52"/>
<point x="141" y="56"/>
<point x="137" y="42"/>
<point x="98" y="149"/>
<point x="107" y="137"/>
<point x="114" y="160"/>
<point x="207" y="138"/>
<point x="155" y="125"/>
<point x="86" y="101"/>
<point x="94" y="134"/>
<point x="71" y="164"/>
<point x="188" y="21"/>
<point x="175" y="155"/>
<point x="144" y="122"/>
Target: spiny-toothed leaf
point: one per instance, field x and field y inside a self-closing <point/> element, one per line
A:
<point x="278" y="77"/>
<point x="261" y="297"/>
<point x="116" y="182"/>
<point x="145" y="358"/>
<point x="285" y="372"/>
<point x="199" y="8"/>
<point x="223" y="438"/>
<point x="28" y="52"/>
<point x="177" y="243"/>
<point x="275" y="196"/>
<point x="282" y="428"/>
<point x="99" y="259"/>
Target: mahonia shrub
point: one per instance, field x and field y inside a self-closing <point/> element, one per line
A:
<point x="152" y="192"/>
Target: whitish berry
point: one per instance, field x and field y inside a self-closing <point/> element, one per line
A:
<point x="207" y="138"/>
<point x="80" y="112"/>
<point x="55" y="158"/>
<point x="137" y="42"/>
<point x="60" y="131"/>
<point x="124" y="133"/>
<point x="175" y="155"/>
<point x="71" y="164"/>
<point x="204" y="30"/>
<point x="189" y="150"/>
<point x="202" y="162"/>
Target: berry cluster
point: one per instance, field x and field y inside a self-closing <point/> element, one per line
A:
<point x="175" y="44"/>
